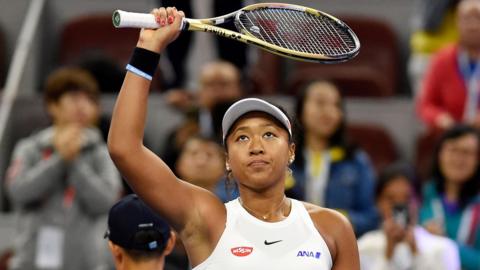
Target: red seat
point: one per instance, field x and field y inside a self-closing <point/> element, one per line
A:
<point x="95" y="35"/>
<point x="5" y="258"/>
<point x="265" y="74"/>
<point x="373" y="72"/>
<point x="376" y="141"/>
<point x="425" y="146"/>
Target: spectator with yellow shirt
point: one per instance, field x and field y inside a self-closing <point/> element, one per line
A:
<point x="434" y="26"/>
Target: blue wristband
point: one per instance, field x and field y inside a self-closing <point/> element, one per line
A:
<point x="138" y="72"/>
<point x="143" y="63"/>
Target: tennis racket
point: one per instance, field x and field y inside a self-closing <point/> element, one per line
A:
<point x="292" y="31"/>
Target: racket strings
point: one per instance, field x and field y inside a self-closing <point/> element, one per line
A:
<point x="299" y="31"/>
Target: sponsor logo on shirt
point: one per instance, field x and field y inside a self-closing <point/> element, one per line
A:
<point x="271" y="243"/>
<point x="241" y="251"/>
<point x="308" y="253"/>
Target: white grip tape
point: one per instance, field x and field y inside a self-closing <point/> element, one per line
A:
<point x="123" y="19"/>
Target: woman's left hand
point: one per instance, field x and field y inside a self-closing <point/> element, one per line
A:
<point x="156" y="40"/>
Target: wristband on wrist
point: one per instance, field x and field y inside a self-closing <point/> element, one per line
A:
<point x="143" y="63"/>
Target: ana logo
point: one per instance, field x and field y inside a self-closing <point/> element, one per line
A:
<point x="310" y="254"/>
<point x="241" y="251"/>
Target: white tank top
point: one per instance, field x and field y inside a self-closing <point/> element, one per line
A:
<point x="250" y="243"/>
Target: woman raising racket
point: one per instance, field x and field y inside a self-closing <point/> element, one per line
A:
<point x="262" y="229"/>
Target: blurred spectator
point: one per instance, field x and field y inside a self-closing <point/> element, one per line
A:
<point x="327" y="170"/>
<point x="450" y="89"/>
<point x="202" y="163"/>
<point x="62" y="181"/>
<point x="219" y="86"/>
<point x="228" y="50"/>
<point x="434" y="27"/>
<point x="451" y="204"/>
<point x="109" y="77"/>
<point x="400" y="244"/>
<point x="139" y="239"/>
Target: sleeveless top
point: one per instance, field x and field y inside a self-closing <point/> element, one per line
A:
<point x="250" y="243"/>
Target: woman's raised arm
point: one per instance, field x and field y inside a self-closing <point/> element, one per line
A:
<point x="182" y="204"/>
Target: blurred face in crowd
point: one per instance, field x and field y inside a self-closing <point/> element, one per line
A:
<point x="219" y="82"/>
<point x="395" y="192"/>
<point x="201" y="163"/>
<point x="322" y="113"/>
<point x="458" y="158"/>
<point x="74" y="107"/>
<point x="469" y="23"/>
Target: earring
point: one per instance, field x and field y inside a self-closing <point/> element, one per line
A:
<point x="290" y="161"/>
<point x="290" y="172"/>
<point x="227" y="167"/>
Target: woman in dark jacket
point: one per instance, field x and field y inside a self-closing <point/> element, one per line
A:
<point x="329" y="171"/>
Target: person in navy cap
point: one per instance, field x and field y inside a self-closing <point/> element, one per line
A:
<point x="138" y="238"/>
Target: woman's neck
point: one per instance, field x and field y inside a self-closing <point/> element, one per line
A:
<point x="315" y="143"/>
<point x="271" y="206"/>
<point x="452" y="191"/>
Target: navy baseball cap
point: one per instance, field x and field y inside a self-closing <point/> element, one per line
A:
<point x="133" y="225"/>
<point x="246" y="105"/>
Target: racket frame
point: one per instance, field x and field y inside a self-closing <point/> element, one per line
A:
<point x="210" y="25"/>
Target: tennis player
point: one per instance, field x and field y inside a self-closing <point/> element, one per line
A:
<point x="262" y="229"/>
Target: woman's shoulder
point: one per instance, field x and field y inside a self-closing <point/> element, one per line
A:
<point x="429" y="189"/>
<point x="476" y="200"/>
<point x="358" y="157"/>
<point x="328" y="220"/>
<point x="37" y="139"/>
<point x="331" y="224"/>
<point x="447" y="52"/>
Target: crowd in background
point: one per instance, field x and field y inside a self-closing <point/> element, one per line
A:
<point x="62" y="182"/>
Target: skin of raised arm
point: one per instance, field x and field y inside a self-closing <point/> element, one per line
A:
<point x="185" y="206"/>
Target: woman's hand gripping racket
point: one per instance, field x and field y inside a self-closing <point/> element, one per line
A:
<point x="292" y="31"/>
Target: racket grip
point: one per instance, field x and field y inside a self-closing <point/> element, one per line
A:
<point x="123" y="19"/>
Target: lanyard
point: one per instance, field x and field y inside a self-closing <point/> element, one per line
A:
<point x="467" y="221"/>
<point x="471" y="79"/>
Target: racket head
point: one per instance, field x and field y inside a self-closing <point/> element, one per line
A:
<point x="298" y="32"/>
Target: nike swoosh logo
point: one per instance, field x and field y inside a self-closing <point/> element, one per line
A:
<point x="271" y="243"/>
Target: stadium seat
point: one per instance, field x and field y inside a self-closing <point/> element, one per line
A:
<point x="5" y="258"/>
<point x="376" y="141"/>
<point x="96" y="33"/>
<point x="425" y="145"/>
<point x="265" y="74"/>
<point x="86" y="37"/>
<point x="373" y="72"/>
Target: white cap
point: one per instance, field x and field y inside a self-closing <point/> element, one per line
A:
<point x="246" y="105"/>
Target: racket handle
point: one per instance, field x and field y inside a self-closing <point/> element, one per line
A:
<point x="123" y="19"/>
